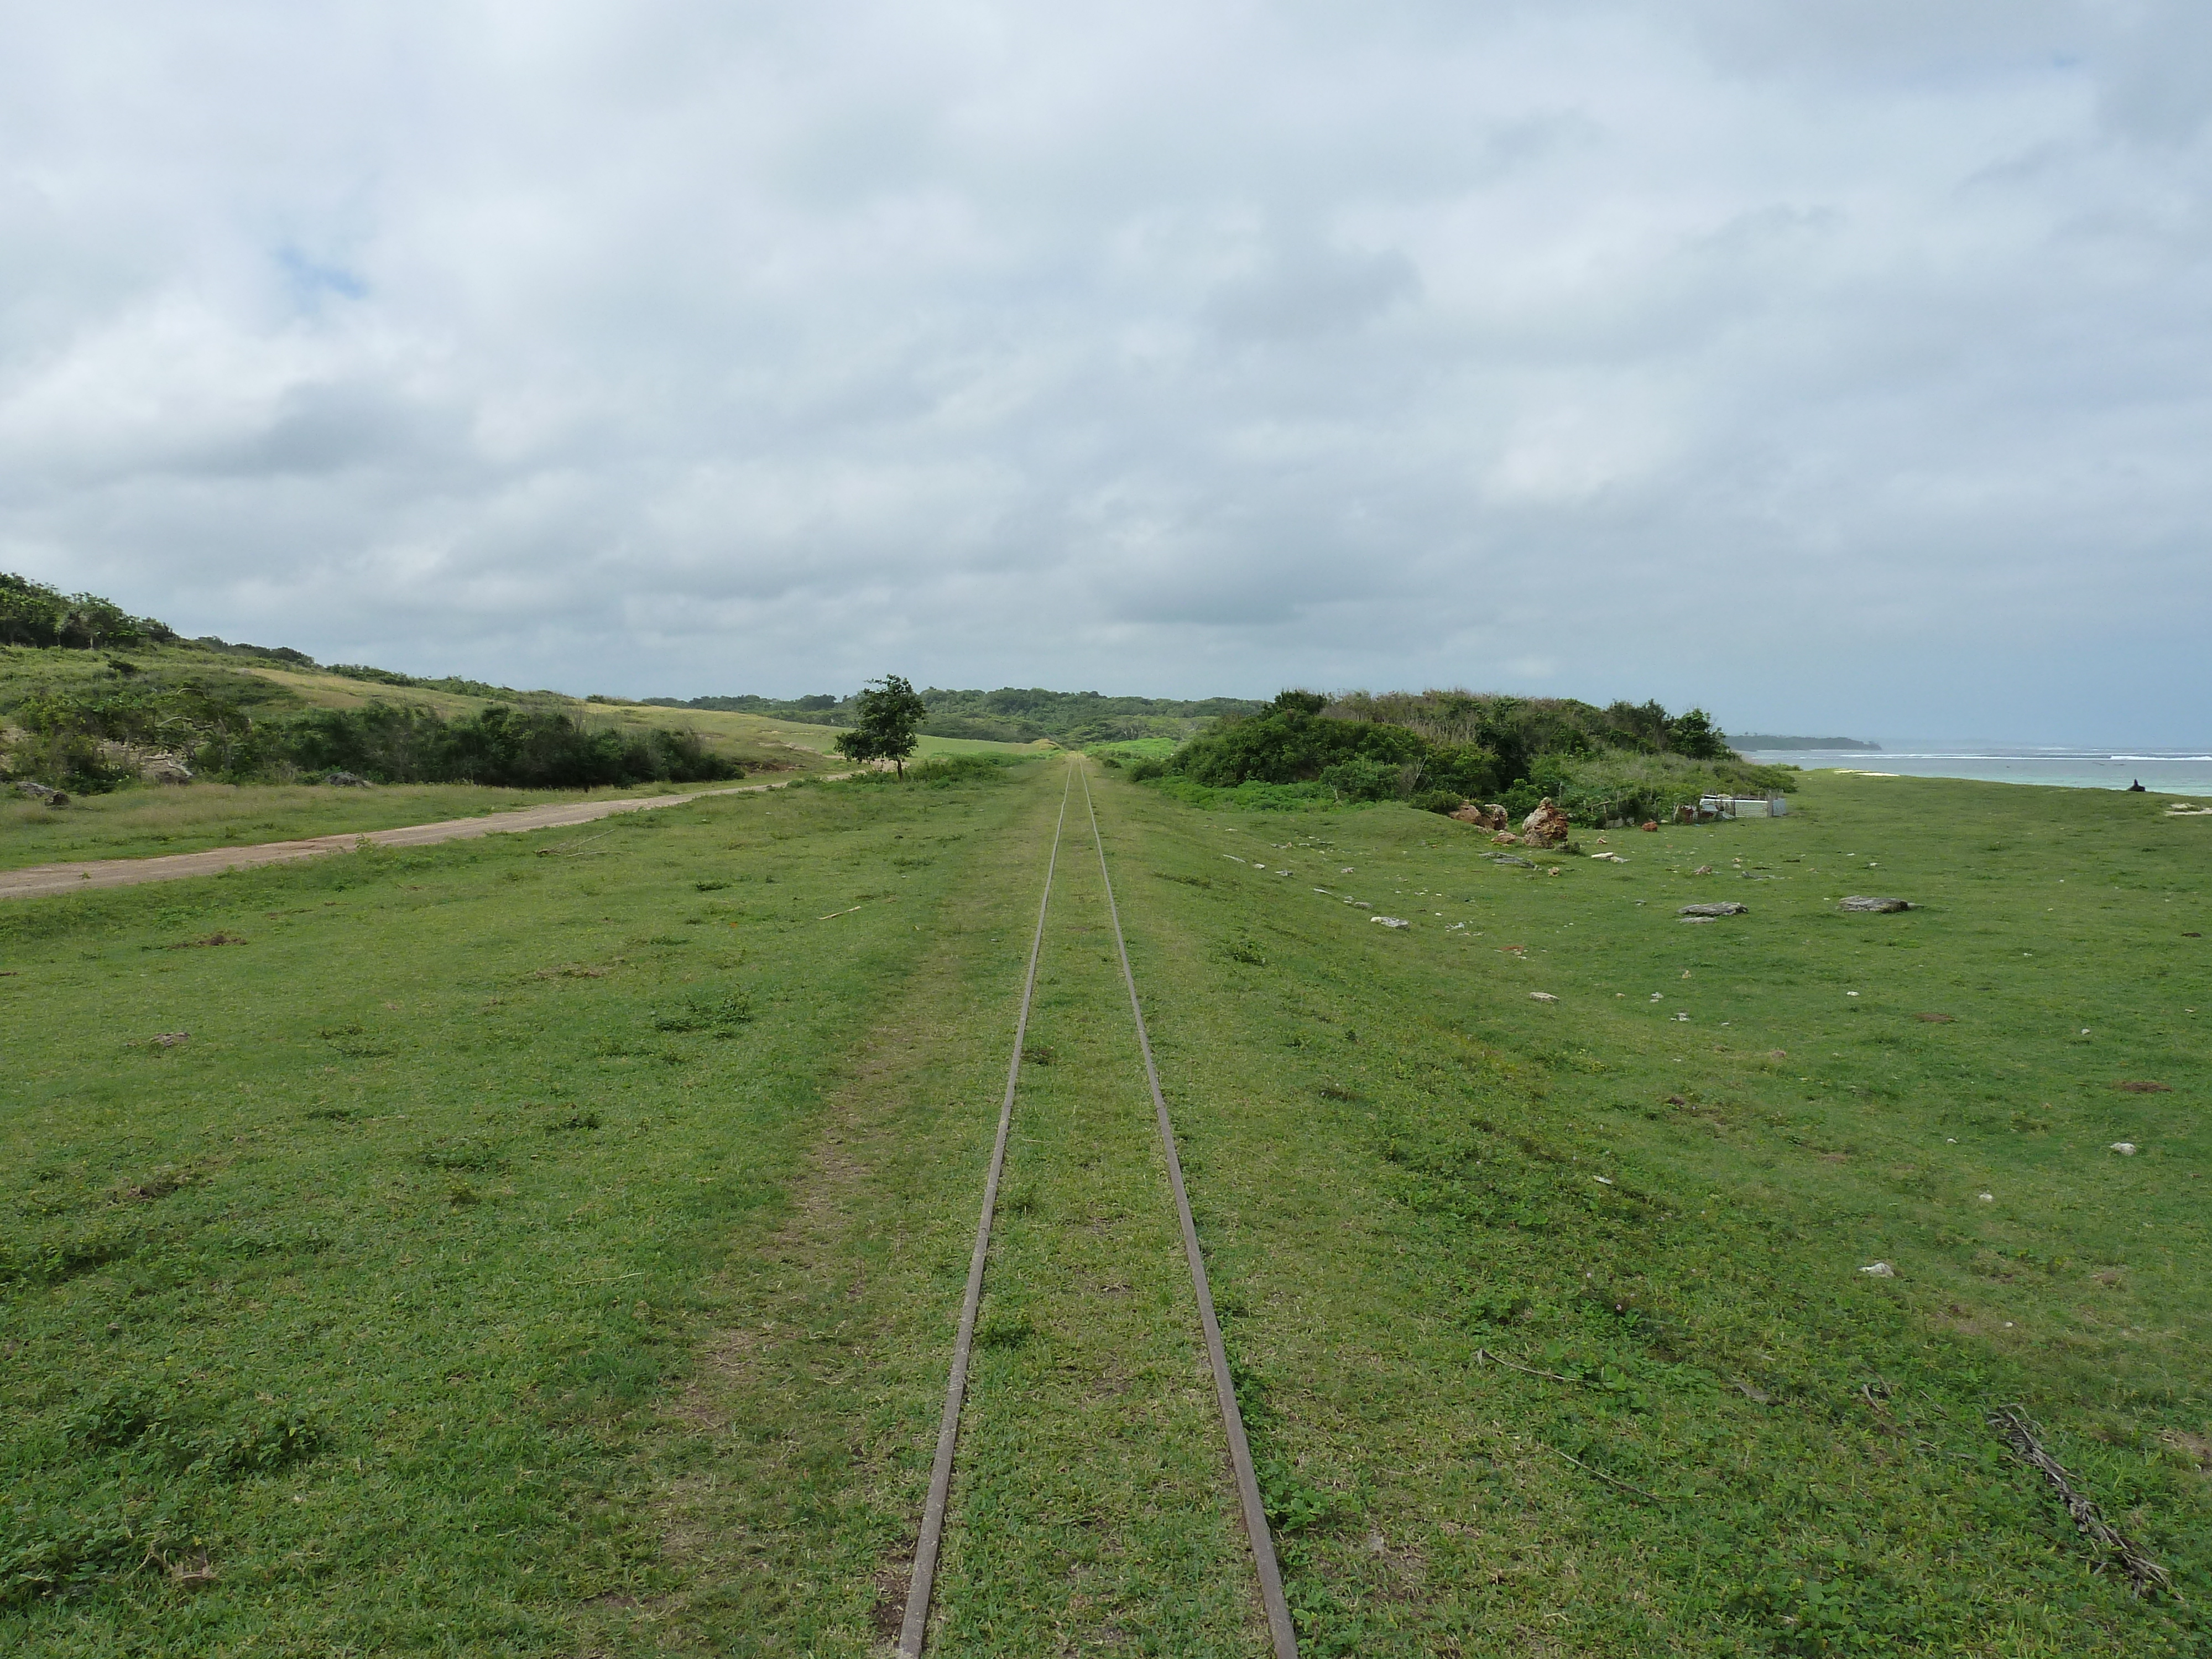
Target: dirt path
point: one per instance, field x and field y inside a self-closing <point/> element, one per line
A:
<point x="42" y="879"/>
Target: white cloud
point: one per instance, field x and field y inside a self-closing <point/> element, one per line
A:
<point x="1724" y="352"/>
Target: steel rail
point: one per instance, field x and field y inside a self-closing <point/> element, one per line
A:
<point x="915" y="1626"/>
<point x="1224" y="1390"/>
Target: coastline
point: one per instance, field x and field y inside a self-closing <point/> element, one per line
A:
<point x="2185" y="772"/>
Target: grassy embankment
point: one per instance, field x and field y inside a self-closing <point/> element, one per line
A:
<point x="706" y="1284"/>
<point x="149" y="821"/>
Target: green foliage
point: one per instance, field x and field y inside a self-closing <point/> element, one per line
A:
<point x="1613" y="784"/>
<point x="1439" y="748"/>
<point x="514" y="748"/>
<point x="1010" y="714"/>
<point x="885" y="719"/>
<point x="89" y="737"/>
<point x="33" y="614"/>
<point x="88" y="733"/>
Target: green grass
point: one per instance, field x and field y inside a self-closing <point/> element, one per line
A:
<point x="1134" y="749"/>
<point x="550" y="1253"/>
<point x="156" y="820"/>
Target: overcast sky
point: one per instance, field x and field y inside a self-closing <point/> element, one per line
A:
<point x="1837" y="364"/>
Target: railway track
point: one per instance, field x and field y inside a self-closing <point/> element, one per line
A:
<point x="914" y="1627"/>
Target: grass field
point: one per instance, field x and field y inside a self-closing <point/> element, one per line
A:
<point x="551" y="1244"/>
<point x="153" y="821"/>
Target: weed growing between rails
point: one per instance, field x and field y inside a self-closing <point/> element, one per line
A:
<point x="1715" y="1433"/>
<point x="356" y="1266"/>
<point x="1088" y="1499"/>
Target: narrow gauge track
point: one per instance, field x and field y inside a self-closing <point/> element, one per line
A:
<point x="913" y="1628"/>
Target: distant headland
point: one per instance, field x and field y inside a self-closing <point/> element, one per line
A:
<point x="1768" y="740"/>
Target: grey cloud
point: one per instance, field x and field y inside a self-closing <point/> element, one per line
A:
<point x="1724" y="352"/>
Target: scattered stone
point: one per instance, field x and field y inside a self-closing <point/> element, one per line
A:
<point x="1650" y="827"/>
<point x="1542" y="996"/>
<point x="1391" y="921"/>
<point x="1703" y="870"/>
<point x="1760" y="1397"/>
<point x="1880" y="1270"/>
<point x="164" y="769"/>
<point x="347" y="781"/>
<point x="1676" y="1100"/>
<point x="2124" y="1148"/>
<point x="1725" y="908"/>
<point x="40" y="792"/>
<point x="1858" y="903"/>
<point x="1987" y="1198"/>
<point x="2144" y="1086"/>
<point x="1692" y="921"/>
<point x="1508" y="858"/>
<point x="1505" y="838"/>
<point x="169" y="1039"/>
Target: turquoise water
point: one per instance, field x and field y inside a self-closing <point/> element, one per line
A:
<point x="2162" y="771"/>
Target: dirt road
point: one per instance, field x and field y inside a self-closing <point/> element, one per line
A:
<point x="42" y="879"/>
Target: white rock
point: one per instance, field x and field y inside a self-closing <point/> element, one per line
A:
<point x="1989" y="1198"/>
<point x="1545" y="996"/>
<point x="1391" y="921"/>
<point x="2124" y="1148"/>
<point x="1881" y="1270"/>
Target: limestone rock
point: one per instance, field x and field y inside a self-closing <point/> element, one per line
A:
<point x="1546" y="824"/>
<point x="1858" y="903"/>
<point x="1726" y="907"/>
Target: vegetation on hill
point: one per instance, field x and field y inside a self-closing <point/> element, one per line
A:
<point x="81" y="717"/>
<point x="1437" y="748"/>
<point x="84" y="721"/>
<point x="31" y="613"/>
<point x="1078" y="719"/>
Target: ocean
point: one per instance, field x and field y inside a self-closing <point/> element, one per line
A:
<point x="2162" y="771"/>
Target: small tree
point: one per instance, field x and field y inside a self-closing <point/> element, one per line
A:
<point x="1695" y="735"/>
<point x="887" y="715"/>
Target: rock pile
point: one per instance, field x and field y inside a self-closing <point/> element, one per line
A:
<point x="1482" y="818"/>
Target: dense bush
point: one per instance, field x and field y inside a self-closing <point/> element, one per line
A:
<point x="1295" y="742"/>
<point x="91" y="739"/>
<point x="516" y="749"/>
<point x="1440" y="748"/>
